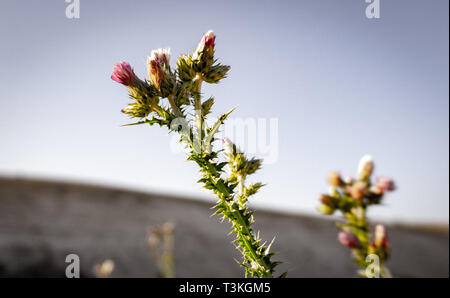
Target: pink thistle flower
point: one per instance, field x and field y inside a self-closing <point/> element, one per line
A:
<point x="124" y="74"/>
<point x="209" y="39"/>
<point x="207" y="43"/>
<point x="349" y="240"/>
<point x="385" y="184"/>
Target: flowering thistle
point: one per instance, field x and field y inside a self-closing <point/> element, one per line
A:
<point x="349" y="240"/>
<point x="124" y="74"/>
<point x="334" y="179"/>
<point x="143" y="94"/>
<point x="186" y="72"/>
<point x="358" y="190"/>
<point x="205" y="48"/>
<point x="352" y="197"/>
<point x="225" y="174"/>
<point x="157" y="63"/>
<point x="365" y="167"/>
<point x="161" y="242"/>
<point x="203" y="60"/>
<point x="380" y="236"/>
<point x="385" y="184"/>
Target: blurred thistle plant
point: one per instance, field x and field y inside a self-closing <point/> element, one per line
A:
<point x="173" y="98"/>
<point x="161" y="242"/>
<point x="104" y="269"/>
<point x="352" y="197"/>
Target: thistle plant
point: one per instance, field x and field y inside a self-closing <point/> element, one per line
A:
<point x="104" y="269"/>
<point x="173" y="98"/>
<point x="161" y="242"/>
<point x="352" y="197"/>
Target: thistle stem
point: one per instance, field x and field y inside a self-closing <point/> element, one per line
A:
<point x="198" y="110"/>
<point x="175" y="109"/>
<point x="244" y="232"/>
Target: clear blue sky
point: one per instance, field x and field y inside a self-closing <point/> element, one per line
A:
<point x="340" y="84"/>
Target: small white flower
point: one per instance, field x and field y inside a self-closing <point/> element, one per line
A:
<point x="365" y="166"/>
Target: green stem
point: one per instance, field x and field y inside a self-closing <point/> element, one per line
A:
<point x="238" y="221"/>
<point x="175" y="109"/>
<point x="198" y="111"/>
<point x="254" y="255"/>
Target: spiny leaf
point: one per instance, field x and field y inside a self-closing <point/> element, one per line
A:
<point x="147" y="121"/>
<point x="207" y="105"/>
<point x="216" y="126"/>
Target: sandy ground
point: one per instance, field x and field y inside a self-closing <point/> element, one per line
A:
<point x="42" y="222"/>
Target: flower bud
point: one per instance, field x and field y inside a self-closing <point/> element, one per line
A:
<point x="327" y="200"/>
<point x="349" y="240"/>
<point x="161" y="56"/>
<point x="157" y="63"/>
<point x="365" y="167"/>
<point x="385" y="184"/>
<point x="206" y="44"/>
<point x="124" y="74"/>
<point x="186" y="71"/>
<point x="372" y="249"/>
<point x="334" y="179"/>
<point x="358" y="190"/>
<point x="380" y="236"/>
<point x="204" y="54"/>
<point x="137" y="110"/>
<point x="333" y="192"/>
<point x="348" y="180"/>
<point x="216" y="73"/>
<point x="376" y="190"/>
<point x="325" y="209"/>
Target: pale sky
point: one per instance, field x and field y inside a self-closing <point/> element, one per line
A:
<point x="340" y="85"/>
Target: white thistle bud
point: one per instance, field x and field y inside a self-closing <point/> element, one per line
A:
<point x="365" y="167"/>
<point x="380" y="235"/>
<point x="206" y="43"/>
<point x="161" y="56"/>
<point x="332" y="191"/>
<point x="156" y="63"/>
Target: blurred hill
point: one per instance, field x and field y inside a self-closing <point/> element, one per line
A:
<point x="43" y="221"/>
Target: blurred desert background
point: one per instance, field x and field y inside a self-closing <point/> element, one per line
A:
<point x="43" y="221"/>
